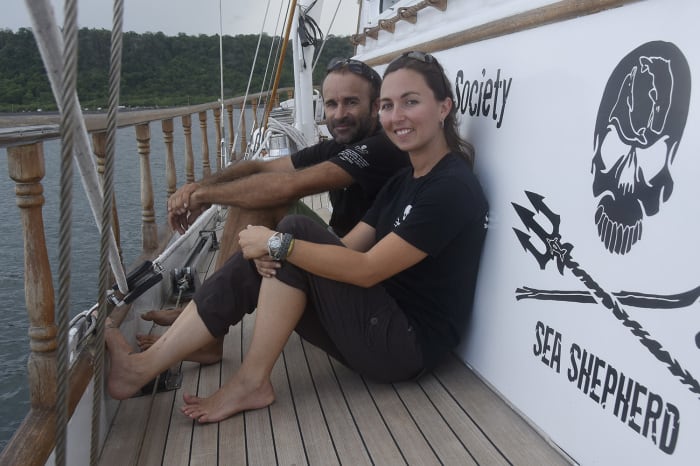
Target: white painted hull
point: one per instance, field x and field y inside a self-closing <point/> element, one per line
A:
<point x="535" y="132"/>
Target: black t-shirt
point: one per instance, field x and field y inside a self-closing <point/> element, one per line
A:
<point x="371" y="162"/>
<point x="445" y="215"/>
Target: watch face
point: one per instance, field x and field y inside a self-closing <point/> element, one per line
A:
<point x="274" y="244"/>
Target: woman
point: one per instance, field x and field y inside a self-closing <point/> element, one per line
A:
<point x="388" y="301"/>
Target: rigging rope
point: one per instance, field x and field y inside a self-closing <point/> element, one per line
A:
<point x="222" y="144"/>
<point x="68" y="131"/>
<point x="252" y="67"/>
<point x="107" y="205"/>
<point x="278" y="74"/>
<point x="325" y="38"/>
<point x="51" y="47"/>
<point x="265" y="84"/>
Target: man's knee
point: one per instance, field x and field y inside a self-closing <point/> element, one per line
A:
<point x="303" y="227"/>
<point x="268" y="217"/>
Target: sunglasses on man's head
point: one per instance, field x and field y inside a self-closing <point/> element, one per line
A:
<point x="354" y="66"/>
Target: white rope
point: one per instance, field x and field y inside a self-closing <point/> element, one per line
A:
<point x="50" y="43"/>
<point x="296" y="135"/>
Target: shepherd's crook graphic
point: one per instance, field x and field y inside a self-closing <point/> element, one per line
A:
<point x="562" y="254"/>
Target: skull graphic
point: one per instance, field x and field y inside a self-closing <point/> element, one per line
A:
<point x="638" y="128"/>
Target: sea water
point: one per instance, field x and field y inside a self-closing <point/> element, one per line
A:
<point x="85" y="245"/>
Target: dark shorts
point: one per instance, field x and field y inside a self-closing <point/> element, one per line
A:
<point x="363" y="328"/>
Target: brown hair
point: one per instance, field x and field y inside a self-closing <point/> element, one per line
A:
<point x="437" y="81"/>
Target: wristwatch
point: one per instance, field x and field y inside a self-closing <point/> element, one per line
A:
<point x="274" y="245"/>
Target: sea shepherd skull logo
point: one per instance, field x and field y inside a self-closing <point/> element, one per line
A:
<point x="638" y="128"/>
<point x="640" y="123"/>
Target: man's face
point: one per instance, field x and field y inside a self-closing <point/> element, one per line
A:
<point x="350" y="116"/>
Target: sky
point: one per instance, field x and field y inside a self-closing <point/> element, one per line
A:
<point x="192" y="17"/>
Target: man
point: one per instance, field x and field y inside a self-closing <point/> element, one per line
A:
<point x="352" y="167"/>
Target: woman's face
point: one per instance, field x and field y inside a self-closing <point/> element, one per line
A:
<point x="410" y="114"/>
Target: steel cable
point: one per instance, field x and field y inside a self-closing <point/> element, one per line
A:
<point x="69" y="117"/>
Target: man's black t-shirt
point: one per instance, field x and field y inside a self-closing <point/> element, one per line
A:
<point x="444" y="214"/>
<point x="371" y="162"/>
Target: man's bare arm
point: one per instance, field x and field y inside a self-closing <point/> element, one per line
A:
<point x="181" y="210"/>
<point x="244" y="168"/>
<point x="272" y="189"/>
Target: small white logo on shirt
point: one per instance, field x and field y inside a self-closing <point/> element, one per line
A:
<point x="406" y="211"/>
<point x="355" y="155"/>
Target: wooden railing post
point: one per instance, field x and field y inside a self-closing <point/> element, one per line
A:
<point x="217" y="122"/>
<point x="170" y="171"/>
<point x="189" y="156"/>
<point x="26" y="168"/>
<point x="149" y="229"/>
<point x="99" y="148"/>
<point x="229" y="114"/>
<point x="206" y="168"/>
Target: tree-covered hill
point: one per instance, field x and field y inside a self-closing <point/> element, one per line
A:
<point x="157" y="70"/>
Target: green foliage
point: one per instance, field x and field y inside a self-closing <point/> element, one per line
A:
<point x="157" y="70"/>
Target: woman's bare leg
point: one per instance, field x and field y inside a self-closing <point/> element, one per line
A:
<point x="130" y="371"/>
<point x="280" y="307"/>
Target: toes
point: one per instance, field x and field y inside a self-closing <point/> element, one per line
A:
<point x="190" y="399"/>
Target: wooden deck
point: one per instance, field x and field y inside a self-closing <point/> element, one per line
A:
<point x="326" y="414"/>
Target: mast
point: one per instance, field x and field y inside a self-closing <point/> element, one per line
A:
<point x="303" y="57"/>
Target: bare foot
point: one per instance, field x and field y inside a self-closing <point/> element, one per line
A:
<point x="162" y="316"/>
<point x="233" y="397"/>
<point x="123" y="380"/>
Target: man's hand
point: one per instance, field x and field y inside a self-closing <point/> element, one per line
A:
<point x="183" y="209"/>
<point x="253" y="241"/>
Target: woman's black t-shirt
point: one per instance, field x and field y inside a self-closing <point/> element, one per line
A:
<point x="444" y="214"/>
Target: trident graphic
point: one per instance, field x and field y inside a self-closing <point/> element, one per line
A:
<point x="561" y="253"/>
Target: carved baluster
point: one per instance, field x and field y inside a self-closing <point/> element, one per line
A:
<point x="229" y="112"/>
<point x="189" y="156"/>
<point x="217" y="122"/>
<point x="149" y="230"/>
<point x="99" y="148"/>
<point x="206" y="168"/>
<point x="26" y="168"/>
<point x="244" y="139"/>
<point x="170" y="171"/>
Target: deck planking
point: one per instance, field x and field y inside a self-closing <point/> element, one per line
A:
<point x="325" y="413"/>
